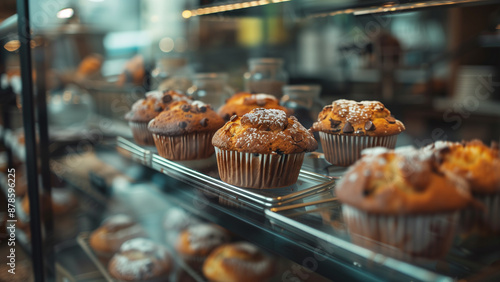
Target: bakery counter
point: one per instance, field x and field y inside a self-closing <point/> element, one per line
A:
<point x="132" y="188"/>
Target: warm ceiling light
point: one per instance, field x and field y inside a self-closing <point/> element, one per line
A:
<point x="65" y="13"/>
<point x="186" y="14"/>
<point x="12" y="45"/>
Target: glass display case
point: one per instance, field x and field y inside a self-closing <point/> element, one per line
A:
<point x="71" y="71"/>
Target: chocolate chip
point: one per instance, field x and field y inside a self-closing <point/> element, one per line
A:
<point x="255" y="154"/>
<point x="227" y="117"/>
<point x="158" y="109"/>
<point x="204" y="122"/>
<point x="334" y="123"/>
<point x="390" y="120"/>
<point x="233" y="117"/>
<point x="166" y="99"/>
<point x="279" y="152"/>
<point x="203" y="109"/>
<point x="261" y="103"/>
<point x="369" y="126"/>
<point x="186" y="107"/>
<point x="183" y="124"/>
<point x="348" y="128"/>
<point x="367" y="193"/>
<point x="335" y="130"/>
<point x="189" y="116"/>
<point x="359" y="132"/>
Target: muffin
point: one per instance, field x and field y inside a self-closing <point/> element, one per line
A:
<point x="141" y="259"/>
<point x="196" y="242"/>
<point x="262" y="149"/>
<point x="401" y="203"/>
<point x="113" y="232"/>
<point x="144" y="110"/>
<point x="479" y="165"/>
<point x="238" y="262"/>
<point x="242" y="103"/>
<point x="184" y="132"/>
<point x="346" y="127"/>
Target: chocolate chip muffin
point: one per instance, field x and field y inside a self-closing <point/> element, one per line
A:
<point x="479" y="165"/>
<point x="262" y="149"/>
<point x="144" y="110"/>
<point x="346" y="127"/>
<point x="401" y="203"/>
<point x="184" y="132"/>
<point x="242" y="103"/>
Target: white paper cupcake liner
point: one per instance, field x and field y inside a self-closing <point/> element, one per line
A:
<point x="406" y="237"/>
<point x="141" y="134"/>
<point x="185" y="147"/>
<point x="487" y="220"/>
<point x="344" y="150"/>
<point x="258" y="171"/>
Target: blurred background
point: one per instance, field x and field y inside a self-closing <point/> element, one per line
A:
<point x="435" y="65"/>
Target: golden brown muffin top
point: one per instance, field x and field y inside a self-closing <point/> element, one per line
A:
<point x="474" y="161"/>
<point x="242" y="103"/>
<point x="238" y="262"/>
<point x="348" y="117"/>
<point x="155" y="102"/>
<point x="404" y="181"/>
<point x="265" y="131"/>
<point x="185" y="118"/>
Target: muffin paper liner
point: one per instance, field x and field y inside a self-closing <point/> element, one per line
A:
<point x="487" y="220"/>
<point x="410" y="237"/>
<point x="259" y="171"/>
<point x="185" y="147"/>
<point x="344" y="150"/>
<point x="141" y="134"/>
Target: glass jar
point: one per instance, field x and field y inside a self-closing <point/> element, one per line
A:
<point x="211" y="88"/>
<point x="304" y="101"/>
<point x="266" y="75"/>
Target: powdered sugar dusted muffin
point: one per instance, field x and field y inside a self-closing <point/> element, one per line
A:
<point x="346" y="127"/>
<point x="184" y="132"/>
<point x="262" y="149"/>
<point x="113" y="232"/>
<point x="148" y="108"/>
<point x="480" y="166"/>
<point x="242" y="103"/>
<point x="238" y="262"/>
<point x="197" y="241"/>
<point x="401" y="200"/>
<point x="140" y="259"/>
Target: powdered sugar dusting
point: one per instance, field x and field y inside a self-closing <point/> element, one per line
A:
<point x="206" y="236"/>
<point x="266" y="116"/>
<point x="154" y="95"/>
<point x="138" y="268"/>
<point x="139" y="244"/>
<point x="119" y="219"/>
<point x="354" y="111"/>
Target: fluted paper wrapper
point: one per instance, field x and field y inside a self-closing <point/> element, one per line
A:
<point x="427" y="236"/>
<point x="141" y="134"/>
<point x="260" y="171"/>
<point x="185" y="147"/>
<point x="344" y="150"/>
<point x="487" y="220"/>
